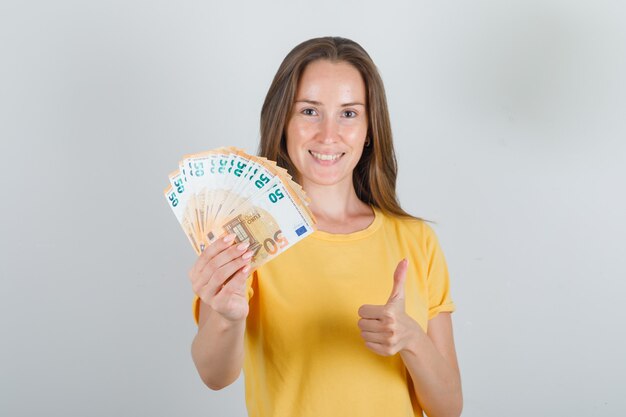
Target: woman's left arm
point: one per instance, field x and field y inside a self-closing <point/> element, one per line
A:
<point x="431" y="361"/>
<point x="430" y="357"/>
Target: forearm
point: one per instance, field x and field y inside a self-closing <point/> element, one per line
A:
<point x="217" y="350"/>
<point x="437" y="384"/>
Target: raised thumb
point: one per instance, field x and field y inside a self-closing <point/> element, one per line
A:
<point x="399" y="276"/>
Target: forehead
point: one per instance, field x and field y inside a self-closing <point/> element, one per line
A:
<point x="325" y="78"/>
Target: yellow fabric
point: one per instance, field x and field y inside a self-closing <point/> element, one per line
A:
<point x="304" y="355"/>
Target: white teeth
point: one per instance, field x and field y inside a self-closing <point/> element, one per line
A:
<point x="325" y="157"/>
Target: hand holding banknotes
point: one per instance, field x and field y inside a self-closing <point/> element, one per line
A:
<point x="219" y="277"/>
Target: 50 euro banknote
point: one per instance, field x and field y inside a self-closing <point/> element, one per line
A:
<point x="225" y="191"/>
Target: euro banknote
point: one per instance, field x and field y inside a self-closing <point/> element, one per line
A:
<point x="226" y="190"/>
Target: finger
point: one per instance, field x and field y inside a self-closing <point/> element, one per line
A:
<point x="237" y="284"/>
<point x="201" y="273"/>
<point x="368" y="311"/>
<point x="380" y="348"/>
<point x="371" y="325"/>
<point x="205" y="294"/>
<point x="399" y="276"/>
<point x="212" y="250"/>
<point x="376" y="337"/>
<point x="210" y="290"/>
<point x="219" y="278"/>
<point x="225" y="256"/>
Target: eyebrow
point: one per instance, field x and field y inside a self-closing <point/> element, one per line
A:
<point x="317" y="103"/>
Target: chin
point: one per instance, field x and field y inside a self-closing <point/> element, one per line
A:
<point x="326" y="179"/>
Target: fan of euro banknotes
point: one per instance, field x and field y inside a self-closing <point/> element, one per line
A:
<point x="225" y="190"/>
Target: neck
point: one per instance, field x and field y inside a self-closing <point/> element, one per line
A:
<point x="335" y="202"/>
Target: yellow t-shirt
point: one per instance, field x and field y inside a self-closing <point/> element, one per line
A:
<point x="304" y="355"/>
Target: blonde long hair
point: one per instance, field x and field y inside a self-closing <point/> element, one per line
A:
<point x="374" y="176"/>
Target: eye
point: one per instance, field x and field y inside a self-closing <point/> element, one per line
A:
<point x="309" y="112"/>
<point x="349" y="114"/>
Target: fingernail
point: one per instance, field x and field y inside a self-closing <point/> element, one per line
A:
<point x="247" y="255"/>
<point x="243" y="245"/>
<point x="245" y="269"/>
<point x="229" y="238"/>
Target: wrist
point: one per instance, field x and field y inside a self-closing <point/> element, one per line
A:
<point x="414" y="339"/>
<point x="223" y="324"/>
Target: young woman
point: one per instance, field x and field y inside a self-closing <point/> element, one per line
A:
<point x="355" y="319"/>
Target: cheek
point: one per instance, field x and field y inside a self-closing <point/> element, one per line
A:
<point x="295" y="136"/>
<point x="291" y="138"/>
<point x="357" y="137"/>
<point x="356" y="158"/>
<point x="356" y="131"/>
<point x="293" y="155"/>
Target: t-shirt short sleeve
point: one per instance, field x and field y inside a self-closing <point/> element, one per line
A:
<point x="195" y="306"/>
<point x="439" y="299"/>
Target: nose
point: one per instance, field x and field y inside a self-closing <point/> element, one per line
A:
<point x="329" y="131"/>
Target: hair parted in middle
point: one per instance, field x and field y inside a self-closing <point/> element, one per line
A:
<point x="374" y="176"/>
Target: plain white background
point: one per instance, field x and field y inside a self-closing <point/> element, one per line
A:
<point x="509" y="122"/>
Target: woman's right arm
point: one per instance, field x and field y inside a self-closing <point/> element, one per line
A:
<point x="219" y="278"/>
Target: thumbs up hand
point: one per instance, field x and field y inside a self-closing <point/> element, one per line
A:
<point x="387" y="329"/>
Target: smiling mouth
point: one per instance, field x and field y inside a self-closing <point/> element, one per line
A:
<point x="327" y="157"/>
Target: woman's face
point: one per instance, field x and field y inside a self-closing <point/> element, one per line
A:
<point x="328" y="123"/>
